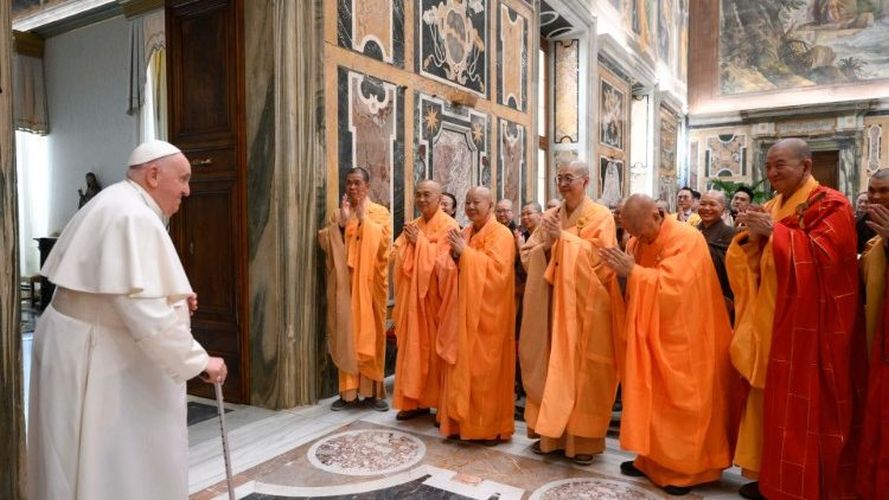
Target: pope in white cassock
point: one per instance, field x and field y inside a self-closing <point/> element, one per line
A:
<point x="113" y="350"/>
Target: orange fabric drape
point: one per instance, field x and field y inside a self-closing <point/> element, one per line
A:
<point x="418" y="302"/>
<point x="477" y="397"/>
<point x="566" y="343"/>
<point x="363" y="247"/>
<point x="673" y="335"/>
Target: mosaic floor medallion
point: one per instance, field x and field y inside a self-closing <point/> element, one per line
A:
<point x="366" y="452"/>
<point x="591" y="488"/>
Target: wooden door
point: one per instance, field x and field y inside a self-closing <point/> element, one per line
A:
<point x="206" y="82"/>
<point x="826" y="167"/>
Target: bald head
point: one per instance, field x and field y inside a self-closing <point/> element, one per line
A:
<point x="712" y="207"/>
<point x="427" y="198"/>
<point x="553" y="203"/>
<point x="788" y="165"/>
<point x="572" y="180"/>
<point x="579" y="168"/>
<point x="641" y="217"/>
<point x="479" y="205"/>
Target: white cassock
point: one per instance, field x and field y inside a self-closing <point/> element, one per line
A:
<point x="111" y="356"/>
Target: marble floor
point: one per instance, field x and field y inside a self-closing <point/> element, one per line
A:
<point x="312" y="452"/>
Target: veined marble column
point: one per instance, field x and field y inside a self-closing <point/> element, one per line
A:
<point x="286" y="197"/>
<point x="12" y="452"/>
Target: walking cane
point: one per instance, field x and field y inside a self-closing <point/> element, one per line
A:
<point x="225" y="451"/>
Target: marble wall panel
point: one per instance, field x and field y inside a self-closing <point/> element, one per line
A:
<point x="874" y="137"/>
<point x="511" y="166"/>
<point x="374" y="28"/>
<point x="512" y="65"/>
<point x="452" y="147"/>
<point x="371" y="136"/>
<point x="453" y="43"/>
<point x="566" y="90"/>
<point x="726" y="156"/>
<point x="693" y="164"/>
<point x="667" y="173"/>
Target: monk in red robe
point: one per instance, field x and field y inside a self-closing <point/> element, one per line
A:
<point x="873" y="458"/>
<point x="418" y="301"/>
<point x="356" y="244"/>
<point x="672" y="344"/>
<point x="793" y="270"/>
<point x="477" y="398"/>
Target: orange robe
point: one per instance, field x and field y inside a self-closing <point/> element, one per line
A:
<point x="796" y="342"/>
<point x="357" y="264"/>
<point x="477" y="397"/>
<point x="566" y="345"/>
<point x="417" y="307"/>
<point x="672" y="345"/>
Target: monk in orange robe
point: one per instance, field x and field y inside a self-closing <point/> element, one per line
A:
<point x="566" y="346"/>
<point x="477" y="398"/>
<point x="357" y="243"/>
<point x="672" y="344"/>
<point x="792" y="268"/>
<point x="872" y="479"/>
<point x="418" y="303"/>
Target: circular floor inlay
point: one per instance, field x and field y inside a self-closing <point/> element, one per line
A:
<point x="590" y="488"/>
<point x="366" y="452"/>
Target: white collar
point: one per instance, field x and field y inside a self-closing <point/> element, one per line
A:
<point x="149" y="201"/>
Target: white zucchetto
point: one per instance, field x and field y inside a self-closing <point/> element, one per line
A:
<point x="150" y="151"/>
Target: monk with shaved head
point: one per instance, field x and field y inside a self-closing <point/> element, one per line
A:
<point x="719" y="236"/>
<point x="566" y="341"/>
<point x="478" y="325"/>
<point x="672" y="351"/>
<point x="418" y="300"/>
<point x="793" y="271"/>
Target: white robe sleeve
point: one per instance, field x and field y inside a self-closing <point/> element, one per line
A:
<point x="163" y="332"/>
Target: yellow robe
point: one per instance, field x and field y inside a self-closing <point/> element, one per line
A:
<point x="477" y="397"/>
<point x="357" y="263"/>
<point x="566" y="343"/>
<point x="751" y="272"/>
<point x="694" y="219"/>
<point x="417" y="313"/>
<point x="673" y="339"/>
<point x="873" y="275"/>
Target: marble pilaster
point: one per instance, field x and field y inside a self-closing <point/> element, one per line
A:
<point x="12" y="453"/>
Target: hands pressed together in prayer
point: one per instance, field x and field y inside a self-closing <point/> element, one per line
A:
<point x="411" y="232"/>
<point x="619" y="261"/>
<point x="551" y="227"/>
<point x="757" y="221"/>
<point x="346" y="208"/>
<point x="455" y="238"/>
<point x="878" y="219"/>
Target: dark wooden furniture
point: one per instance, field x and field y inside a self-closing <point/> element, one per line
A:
<point x="46" y="287"/>
<point x="206" y="117"/>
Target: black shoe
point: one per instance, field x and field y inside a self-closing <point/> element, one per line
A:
<point x="376" y="404"/>
<point x="583" y="459"/>
<point x="751" y="491"/>
<point x="677" y="491"/>
<point x="340" y="404"/>
<point x="409" y="414"/>
<point x="628" y="468"/>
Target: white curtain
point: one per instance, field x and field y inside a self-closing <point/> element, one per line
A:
<point x="153" y="108"/>
<point x="34" y="186"/>
<point x="29" y="95"/>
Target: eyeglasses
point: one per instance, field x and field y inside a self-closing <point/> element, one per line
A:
<point x="565" y="179"/>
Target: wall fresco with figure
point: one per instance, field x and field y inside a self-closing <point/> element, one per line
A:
<point x="786" y="44"/>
